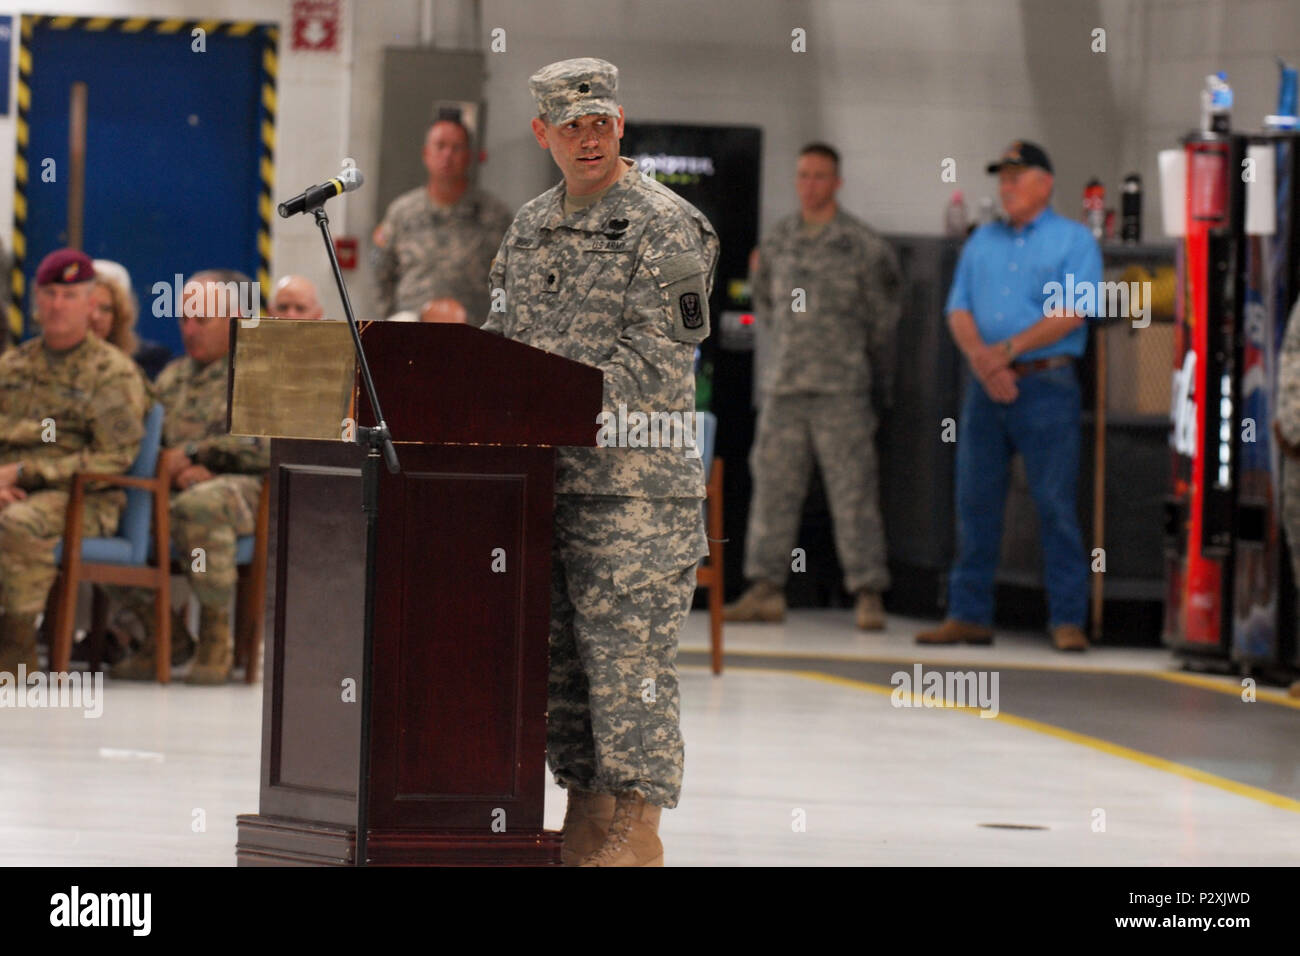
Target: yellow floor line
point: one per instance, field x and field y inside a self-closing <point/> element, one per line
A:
<point x="1231" y="686"/>
<point x="1083" y="740"/>
<point x="1225" y="685"/>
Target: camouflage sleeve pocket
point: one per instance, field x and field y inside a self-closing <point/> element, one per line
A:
<point x="682" y="282"/>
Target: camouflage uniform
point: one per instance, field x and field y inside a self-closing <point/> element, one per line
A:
<point x="213" y="513"/>
<point x="431" y="253"/>
<point x="96" y="400"/>
<point x="819" y="371"/>
<point x="1288" y="425"/>
<point x="621" y="285"/>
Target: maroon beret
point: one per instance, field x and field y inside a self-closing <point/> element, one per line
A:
<point x="64" y="267"/>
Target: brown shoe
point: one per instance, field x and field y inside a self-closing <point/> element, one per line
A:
<point x="1294" y="689"/>
<point x="764" y="601"/>
<point x="869" y="612"/>
<point x="633" y="838"/>
<point x="587" y="817"/>
<point x="1068" y="637"/>
<point x="953" y="631"/>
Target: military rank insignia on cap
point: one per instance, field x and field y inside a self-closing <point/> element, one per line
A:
<point x="572" y="88"/>
<point x="65" y="267"/>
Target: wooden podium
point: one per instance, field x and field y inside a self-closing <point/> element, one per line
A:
<point x="457" y="744"/>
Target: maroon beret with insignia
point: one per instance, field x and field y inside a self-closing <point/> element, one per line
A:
<point x="64" y="267"/>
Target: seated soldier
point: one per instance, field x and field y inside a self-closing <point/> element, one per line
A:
<point x="216" y="478"/>
<point x="69" y="403"/>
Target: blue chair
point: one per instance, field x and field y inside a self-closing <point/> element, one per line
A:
<point x="710" y="575"/>
<point x="125" y="558"/>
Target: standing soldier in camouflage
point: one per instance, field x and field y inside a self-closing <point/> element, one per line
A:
<point x="69" y="403"/>
<point x="826" y="298"/>
<point x="436" y="241"/>
<point x="216" y="477"/>
<point x="1286" y="424"/>
<point x="613" y="270"/>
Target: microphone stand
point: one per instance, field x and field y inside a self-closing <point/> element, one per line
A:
<point x="377" y="441"/>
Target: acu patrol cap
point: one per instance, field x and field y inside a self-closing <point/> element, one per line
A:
<point x="65" y="267"/>
<point x="1021" y="152"/>
<point x="572" y="88"/>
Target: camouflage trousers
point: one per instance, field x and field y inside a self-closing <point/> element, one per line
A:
<point x="29" y="531"/>
<point x="622" y="579"/>
<point x="206" y="520"/>
<point x="839" y="431"/>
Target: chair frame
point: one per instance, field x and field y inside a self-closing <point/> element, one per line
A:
<point x="711" y="575"/>
<point x="74" y="570"/>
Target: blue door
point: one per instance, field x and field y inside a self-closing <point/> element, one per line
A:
<point x="178" y="149"/>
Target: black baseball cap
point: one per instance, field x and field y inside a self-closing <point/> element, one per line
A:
<point x="1022" y="153"/>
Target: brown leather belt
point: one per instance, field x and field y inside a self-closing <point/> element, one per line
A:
<point x="1041" y="365"/>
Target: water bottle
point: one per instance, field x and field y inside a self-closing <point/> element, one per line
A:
<point x="1216" y="104"/>
<point x="954" y="217"/>
<point x="1094" y="208"/>
<point x="1130" y="229"/>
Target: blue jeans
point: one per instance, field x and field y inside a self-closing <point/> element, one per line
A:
<point x="1042" y="424"/>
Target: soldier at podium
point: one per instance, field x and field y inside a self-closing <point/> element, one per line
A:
<point x="611" y="269"/>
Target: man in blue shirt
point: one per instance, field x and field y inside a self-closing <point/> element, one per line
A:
<point x="1020" y="296"/>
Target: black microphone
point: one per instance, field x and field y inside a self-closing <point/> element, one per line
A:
<point x="349" y="179"/>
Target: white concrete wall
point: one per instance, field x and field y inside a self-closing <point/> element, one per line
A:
<point x="1188" y="39"/>
<point x="897" y="85"/>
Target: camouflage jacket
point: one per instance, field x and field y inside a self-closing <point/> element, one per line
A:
<point x="840" y="337"/>
<point x="1287" y="418"/>
<point x="82" y="411"/>
<point x="431" y="253"/>
<point x="623" y="286"/>
<point x="194" y="399"/>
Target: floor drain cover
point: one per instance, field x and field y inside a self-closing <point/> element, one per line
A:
<point x="1013" y="826"/>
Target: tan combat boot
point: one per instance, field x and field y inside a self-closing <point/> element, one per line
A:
<point x="213" y="659"/>
<point x="870" y="611"/>
<point x="140" y="664"/>
<point x="586" y="821"/>
<point x="1069" y="637"/>
<point x="18" y="643"/>
<point x="764" y="601"/>
<point x="953" y="631"/>
<point x="633" y="838"/>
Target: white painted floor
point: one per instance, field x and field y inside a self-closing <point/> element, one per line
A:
<point x="159" y="778"/>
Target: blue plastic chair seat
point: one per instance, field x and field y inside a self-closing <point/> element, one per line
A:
<point x="102" y="551"/>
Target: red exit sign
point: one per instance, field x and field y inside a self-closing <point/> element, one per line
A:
<point x="345" y="247"/>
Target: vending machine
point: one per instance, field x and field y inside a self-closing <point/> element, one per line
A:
<point x="1229" y="594"/>
<point x="717" y="169"/>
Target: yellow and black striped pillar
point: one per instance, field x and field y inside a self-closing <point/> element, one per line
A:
<point x="269" y="34"/>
